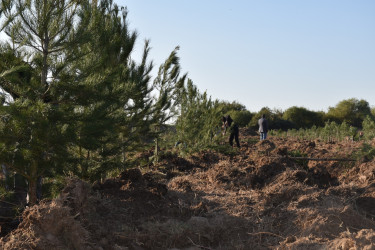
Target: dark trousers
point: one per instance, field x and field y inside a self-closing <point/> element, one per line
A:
<point x="234" y="135"/>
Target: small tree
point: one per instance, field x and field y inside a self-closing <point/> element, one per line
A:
<point x="368" y="128"/>
<point x="33" y="136"/>
<point x="168" y="83"/>
<point x="274" y="118"/>
<point x="352" y="111"/>
<point x="303" y="118"/>
<point x="199" y="119"/>
<point x="237" y="111"/>
<point x="110" y="93"/>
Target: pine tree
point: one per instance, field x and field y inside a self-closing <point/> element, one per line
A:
<point x="169" y="85"/>
<point x="74" y="95"/>
<point x="31" y="132"/>
<point x="199" y="117"/>
<point x="112" y="101"/>
<point x="34" y="126"/>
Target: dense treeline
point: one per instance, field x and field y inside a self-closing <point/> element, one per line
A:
<point x="74" y="102"/>
<point x="351" y="111"/>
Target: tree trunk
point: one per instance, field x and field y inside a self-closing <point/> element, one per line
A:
<point x="45" y="44"/>
<point x="156" y="153"/>
<point x="45" y="47"/>
<point x="32" y="192"/>
<point x="85" y="166"/>
<point x="32" y="180"/>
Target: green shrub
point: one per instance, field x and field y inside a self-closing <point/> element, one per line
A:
<point x="242" y="118"/>
<point x="368" y="128"/>
<point x="365" y="153"/>
<point x="52" y="187"/>
<point x="6" y="195"/>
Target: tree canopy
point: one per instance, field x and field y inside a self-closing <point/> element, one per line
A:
<point x="352" y="111"/>
<point x="301" y="117"/>
<point x="74" y="99"/>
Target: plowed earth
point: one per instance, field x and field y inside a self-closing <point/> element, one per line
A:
<point x="258" y="199"/>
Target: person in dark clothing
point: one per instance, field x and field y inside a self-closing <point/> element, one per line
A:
<point x="263" y="127"/>
<point x="233" y="129"/>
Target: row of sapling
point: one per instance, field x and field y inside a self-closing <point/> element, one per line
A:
<point x="333" y="131"/>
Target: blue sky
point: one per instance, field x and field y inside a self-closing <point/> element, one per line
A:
<point x="274" y="53"/>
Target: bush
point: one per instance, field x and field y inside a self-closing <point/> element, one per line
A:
<point x="365" y="153"/>
<point x="241" y="118"/>
<point x="274" y="118"/>
<point x="303" y="118"/>
<point x="52" y="187"/>
<point x="368" y="128"/>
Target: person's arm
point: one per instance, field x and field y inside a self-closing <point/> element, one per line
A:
<point x="260" y="125"/>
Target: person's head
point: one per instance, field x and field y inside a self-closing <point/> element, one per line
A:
<point x="263" y="116"/>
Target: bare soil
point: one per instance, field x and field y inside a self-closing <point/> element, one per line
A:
<point x="257" y="199"/>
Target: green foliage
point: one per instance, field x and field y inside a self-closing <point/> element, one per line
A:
<point x="368" y="126"/>
<point x="274" y="117"/>
<point x="110" y="96"/>
<point x="227" y="107"/>
<point x="6" y="195"/>
<point x="199" y="120"/>
<point x="169" y="84"/>
<point x="296" y="153"/>
<point x="52" y="187"/>
<point x="237" y="111"/>
<point x="351" y="111"/>
<point x="96" y="104"/>
<point x="44" y="28"/>
<point x="373" y="111"/>
<point x="365" y="153"/>
<point x="241" y="118"/>
<point x="32" y="133"/>
<point x="330" y="132"/>
<point x="303" y="118"/>
<point x="224" y="149"/>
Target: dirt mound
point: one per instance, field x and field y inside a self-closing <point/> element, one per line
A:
<point x="51" y="225"/>
<point x="364" y="239"/>
<point x="264" y="174"/>
<point x="258" y="198"/>
<point x="265" y="147"/>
